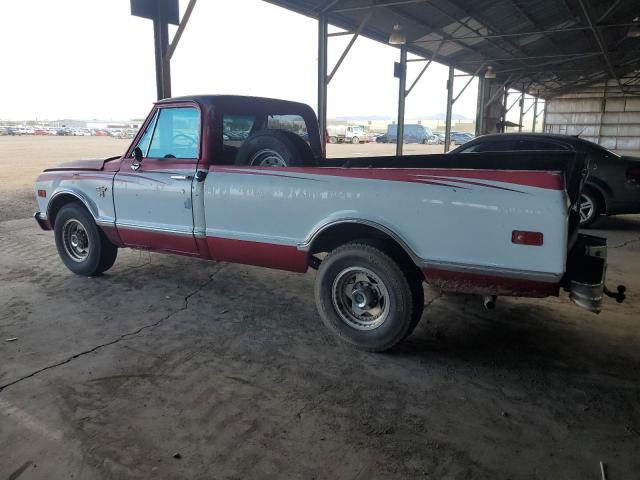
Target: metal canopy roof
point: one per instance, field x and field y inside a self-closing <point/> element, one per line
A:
<point x="549" y="47"/>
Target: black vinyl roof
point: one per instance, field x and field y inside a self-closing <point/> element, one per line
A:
<point x="548" y="47"/>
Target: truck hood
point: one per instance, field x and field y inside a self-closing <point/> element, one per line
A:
<point x="89" y="164"/>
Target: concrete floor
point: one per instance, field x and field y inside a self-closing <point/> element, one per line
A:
<point x="229" y="367"/>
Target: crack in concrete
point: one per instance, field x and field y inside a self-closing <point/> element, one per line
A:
<point x="624" y="244"/>
<point x="124" y="336"/>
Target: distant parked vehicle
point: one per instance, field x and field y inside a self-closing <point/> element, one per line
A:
<point x="8" y="131"/>
<point x="346" y="134"/>
<point x="413" y="133"/>
<point x="460" y="138"/>
<point x="613" y="184"/>
<point x="439" y="137"/>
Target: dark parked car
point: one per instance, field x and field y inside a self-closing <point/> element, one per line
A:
<point x="613" y="185"/>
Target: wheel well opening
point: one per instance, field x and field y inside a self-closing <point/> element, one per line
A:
<point x="59" y="202"/>
<point x="342" y="233"/>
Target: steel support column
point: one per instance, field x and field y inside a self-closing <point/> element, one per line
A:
<point x="447" y="127"/>
<point x="480" y="105"/>
<point x="535" y="113"/>
<point x="322" y="76"/>
<point x="505" y="110"/>
<point x="401" y="99"/>
<point x="521" y="111"/>
<point x="161" y="43"/>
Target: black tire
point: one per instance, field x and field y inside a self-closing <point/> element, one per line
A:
<point x="288" y="147"/>
<point x="355" y="140"/>
<point x="100" y="252"/>
<point x="588" y="216"/>
<point x="333" y="140"/>
<point x="399" y="302"/>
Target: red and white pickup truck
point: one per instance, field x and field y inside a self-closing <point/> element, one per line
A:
<point x="242" y="179"/>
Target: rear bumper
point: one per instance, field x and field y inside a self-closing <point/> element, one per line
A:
<point x="42" y="221"/>
<point x="586" y="272"/>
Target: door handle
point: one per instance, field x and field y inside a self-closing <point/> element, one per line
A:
<point x="181" y="177"/>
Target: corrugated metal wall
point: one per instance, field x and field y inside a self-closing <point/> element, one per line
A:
<point x="600" y="114"/>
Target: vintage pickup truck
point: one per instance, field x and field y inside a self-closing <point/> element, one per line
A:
<point x="243" y="179"/>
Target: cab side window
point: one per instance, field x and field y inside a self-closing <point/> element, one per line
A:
<point x="145" y="140"/>
<point x="175" y="133"/>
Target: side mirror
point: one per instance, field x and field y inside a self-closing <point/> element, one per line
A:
<point x="137" y="158"/>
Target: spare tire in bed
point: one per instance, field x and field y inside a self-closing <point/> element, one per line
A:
<point x="275" y="148"/>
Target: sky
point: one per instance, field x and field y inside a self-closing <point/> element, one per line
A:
<point x="87" y="59"/>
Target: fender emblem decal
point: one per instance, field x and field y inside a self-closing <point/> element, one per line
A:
<point x="101" y="191"/>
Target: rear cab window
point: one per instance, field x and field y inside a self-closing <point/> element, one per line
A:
<point x="238" y="125"/>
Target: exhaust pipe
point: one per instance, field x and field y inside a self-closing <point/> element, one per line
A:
<point x="489" y="302"/>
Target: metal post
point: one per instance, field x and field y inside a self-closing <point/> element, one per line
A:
<point x="521" y="111"/>
<point x="401" y="99"/>
<point x="503" y="116"/>
<point x="161" y="42"/>
<point x="480" y="104"/>
<point x="447" y="127"/>
<point x="544" y="118"/>
<point x="535" y="113"/>
<point x="322" y="77"/>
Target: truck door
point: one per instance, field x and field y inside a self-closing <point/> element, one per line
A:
<point x="152" y="197"/>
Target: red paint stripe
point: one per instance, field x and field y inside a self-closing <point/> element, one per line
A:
<point x="548" y="180"/>
<point x="282" y="257"/>
<point x="181" y="244"/>
<point x="482" y="284"/>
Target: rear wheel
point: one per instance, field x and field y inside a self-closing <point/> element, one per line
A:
<point x="333" y="140"/>
<point x="590" y="207"/>
<point x="364" y="297"/>
<point x="82" y="246"/>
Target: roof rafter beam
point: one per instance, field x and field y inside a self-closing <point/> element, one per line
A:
<point x="524" y="34"/>
<point x="600" y="42"/>
<point x="610" y="10"/>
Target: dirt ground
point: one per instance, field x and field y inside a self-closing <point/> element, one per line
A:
<point x="229" y="368"/>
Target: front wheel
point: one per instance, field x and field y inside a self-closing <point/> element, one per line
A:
<point x="82" y="246"/>
<point x="355" y="140"/>
<point x="589" y="208"/>
<point x="364" y="297"/>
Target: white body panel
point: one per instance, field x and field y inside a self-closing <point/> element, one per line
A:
<point x="444" y="222"/>
<point x="466" y="225"/>
<point x="154" y="200"/>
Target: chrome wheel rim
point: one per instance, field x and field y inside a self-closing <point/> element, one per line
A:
<point x="267" y="158"/>
<point x="360" y="298"/>
<point x="75" y="240"/>
<point x="586" y="208"/>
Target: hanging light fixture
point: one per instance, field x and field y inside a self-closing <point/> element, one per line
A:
<point x="490" y="73"/>
<point x="397" y="37"/>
